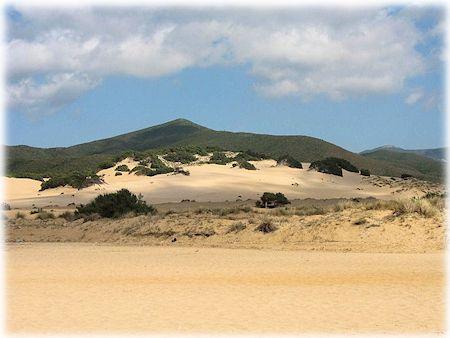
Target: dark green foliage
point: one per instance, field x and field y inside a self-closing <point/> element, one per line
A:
<point x="106" y="165"/>
<point x="180" y="156"/>
<point x="344" y="164"/>
<point x="406" y="176"/>
<point x="76" y="180"/>
<point x="333" y="166"/>
<point x="246" y="165"/>
<point x="123" y="168"/>
<point x="326" y="167"/>
<point x="271" y="200"/>
<point x="115" y="205"/>
<point x="219" y="158"/>
<point x="249" y="155"/>
<point x="289" y="161"/>
<point x="365" y="172"/>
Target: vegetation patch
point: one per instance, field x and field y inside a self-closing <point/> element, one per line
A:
<point x="266" y="227"/>
<point x="236" y="227"/>
<point x="76" y="180"/>
<point x="219" y="157"/>
<point x="333" y="166"/>
<point x="246" y="165"/>
<point x="180" y="156"/>
<point x="115" y="205"/>
<point x="365" y="172"/>
<point x="123" y="168"/>
<point x="289" y="161"/>
<point x="271" y="200"/>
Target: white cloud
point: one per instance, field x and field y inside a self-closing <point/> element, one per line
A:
<point x="49" y="96"/>
<point x="415" y="96"/>
<point x="305" y="52"/>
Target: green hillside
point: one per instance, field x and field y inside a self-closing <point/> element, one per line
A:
<point x="24" y="161"/>
<point x="424" y="167"/>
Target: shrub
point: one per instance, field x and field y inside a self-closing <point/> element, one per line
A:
<point x="219" y="158"/>
<point x="246" y="165"/>
<point x="289" y="161"/>
<point x="249" y="155"/>
<point x="419" y="206"/>
<point x="106" y="165"/>
<point x="5" y="206"/>
<point x="326" y="168"/>
<point x="118" y="173"/>
<point x="271" y="200"/>
<point x="20" y="215"/>
<point x="76" y="180"/>
<point x="406" y="176"/>
<point x="236" y="227"/>
<point x="43" y="215"/>
<point x="116" y="204"/>
<point x="365" y="172"/>
<point x="182" y="171"/>
<point x="68" y="216"/>
<point x="180" y="156"/>
<point x="123" y="168"/>
<point x="333" y="165"/>
<point x="266" y="227"/>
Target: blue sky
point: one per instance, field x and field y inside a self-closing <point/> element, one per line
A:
<point x="359" y="80"/>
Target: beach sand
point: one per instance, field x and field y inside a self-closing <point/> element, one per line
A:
<point x="80" y="288"/>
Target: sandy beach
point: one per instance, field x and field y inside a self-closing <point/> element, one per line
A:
<point x="78" y="288"/>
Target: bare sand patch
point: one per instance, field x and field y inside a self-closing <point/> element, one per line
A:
<point x="76" y="288"/>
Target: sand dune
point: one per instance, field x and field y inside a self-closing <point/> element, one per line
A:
<point x="208" y="182"/>
<point x="76" y="288"/>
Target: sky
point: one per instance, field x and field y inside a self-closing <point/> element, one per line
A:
<point x="356" y="77"/>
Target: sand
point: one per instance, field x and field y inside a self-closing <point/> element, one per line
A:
<point x="80" y="288"/>
<point x="209" y="182"/>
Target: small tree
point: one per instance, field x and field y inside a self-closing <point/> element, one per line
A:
<point x="271" y="200"/>
<point x="365" y="172"/>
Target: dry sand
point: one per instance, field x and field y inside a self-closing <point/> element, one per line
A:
<point x="211" y="182"/>
<point x="74" y="288"/>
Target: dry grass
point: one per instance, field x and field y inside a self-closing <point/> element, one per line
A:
<point x="44" y="215"/>
<point x="236" y="227"/>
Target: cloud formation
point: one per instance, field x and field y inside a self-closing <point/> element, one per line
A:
<point x="54" y="56"/>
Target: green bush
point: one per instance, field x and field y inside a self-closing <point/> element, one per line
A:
<point x="326" y="167"/>
<point x="76" y="180"/>
<point x="123" y="168"/>
<point x="219" y="158"/>
<point x="106" y="165"/>
<point x="333" y="165"/>
<point x="365" y="172"/>
<point x="271" y="200"/>
<point x="116" y="204"/>
<point x="246" y="165"/>
<point x="180" y="156"/>
<point x="249" y="155"/>
<point x="289" y="161"/>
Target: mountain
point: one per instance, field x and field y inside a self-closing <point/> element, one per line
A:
<point x="438" y="154"/>
<point x="427" y="167"/>
<point x="25" y="161"/>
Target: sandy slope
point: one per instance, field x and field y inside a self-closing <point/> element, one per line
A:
<point x="207" y="182"/>
<point x="56" y="288"/>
